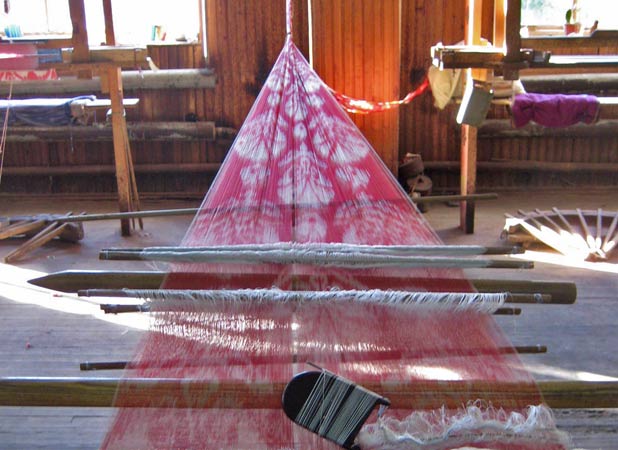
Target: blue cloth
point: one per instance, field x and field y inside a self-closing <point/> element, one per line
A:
<point x="40" y="111"/>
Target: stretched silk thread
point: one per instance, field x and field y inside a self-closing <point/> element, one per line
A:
<point x="299" y="171"/>
<point x="481" y="302"/>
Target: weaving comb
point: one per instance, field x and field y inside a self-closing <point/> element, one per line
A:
<point x="329" y="405"/>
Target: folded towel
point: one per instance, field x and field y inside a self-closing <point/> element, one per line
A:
<point x="554" y="110"/>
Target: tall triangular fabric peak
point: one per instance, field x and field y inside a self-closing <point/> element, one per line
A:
<point x="301" y="171"/>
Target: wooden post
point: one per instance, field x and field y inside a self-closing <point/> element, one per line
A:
<point x="110" y="37"/>
<point x="512" y="57"/>
<point x="468" y="176"/>
<point x="81" y="51"/>
<point x="79" y="39"/>
<point x="122" y="153"/>
<point x="499" y="23"/>
<point x="469" y="133"/>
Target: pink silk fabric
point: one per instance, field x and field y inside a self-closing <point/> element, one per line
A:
<point x="300" y="171"/>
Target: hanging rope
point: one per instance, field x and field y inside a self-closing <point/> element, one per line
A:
<point x="289" y="13"/>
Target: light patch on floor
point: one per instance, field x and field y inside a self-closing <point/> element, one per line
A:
<point x="565" y="374"/>
<point x="561" y="260"/>
<point x="14" y="286"/>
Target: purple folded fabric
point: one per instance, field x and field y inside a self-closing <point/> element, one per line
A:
<point x="554" y="110"/>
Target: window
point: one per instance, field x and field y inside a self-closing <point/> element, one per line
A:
<point x="136" y="22"/>
<point x="552" y="12"/>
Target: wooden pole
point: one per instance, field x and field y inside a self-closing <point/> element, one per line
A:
<point x="368" y="261"/>
<point x="512" y="58"/>
<point x="52" y="231"/>
<point x="110" y="308"/>
<point x="171" y="294"/>
<point x="81" y="50"/>
<point x="120" y="365"/>
<point x="468" y="147"/>
<point x="122" y="153"/>
<point x="188" y="393"/>
<point x="140" y="131"/>
<point x="76" y="280"/>
<point x="110" y="37"/>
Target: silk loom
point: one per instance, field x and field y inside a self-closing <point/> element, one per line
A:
<point x="507" y="55"/>
<point x="302" y="231"/>
<point x="312" y="210"/>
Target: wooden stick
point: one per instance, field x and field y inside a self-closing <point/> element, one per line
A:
<point x="454" y="198"/>
<point x="188" y="393"/>
<point x="21" y="228"/>
<point x="120" y="365"/>
<point x="197" y="256"/>
<point x="266" y="249"/>
<point x="530" y="298"/>
<point x="76" y="280"/>
<point x="112" y="308"/>
<point x="52" y="231"/>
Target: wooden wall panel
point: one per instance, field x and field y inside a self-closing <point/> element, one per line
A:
<point x="356" y="51"/>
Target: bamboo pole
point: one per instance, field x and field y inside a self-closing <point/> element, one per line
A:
<point x="189" y="393"/>
<point x="76" y="280"/>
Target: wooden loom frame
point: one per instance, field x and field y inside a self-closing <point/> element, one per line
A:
<point x="109" y="62"/>
<point x="510" y="53"/>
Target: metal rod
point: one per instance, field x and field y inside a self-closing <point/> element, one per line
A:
<point x="120" y="365"/>
<point x="190" y="393"/>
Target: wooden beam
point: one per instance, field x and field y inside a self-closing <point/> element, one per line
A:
<point x="468" y="176"/>
<point x="122" y="153"/>
<point x="81" y="51"/>
<point x="188" y="393"/>
<point x="501" y="128"/>
<point x="468" y="147"/>
<point x="599" y="38"/>
<point x="499" y="23"/>
<point x="107" y="169"/>
<point x="512" y="58"/>
<point x="110" y="37"/>
<point x="138" y="131"/>
<point x="76" y="280"/>
<point x="131" y="80"/>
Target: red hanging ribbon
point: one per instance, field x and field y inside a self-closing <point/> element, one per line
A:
<point x="360" y="106"/>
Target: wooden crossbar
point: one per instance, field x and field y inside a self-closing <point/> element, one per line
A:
<point x="187" y="393"/>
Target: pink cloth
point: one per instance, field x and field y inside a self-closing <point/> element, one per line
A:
<point x="554" y="110"/>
